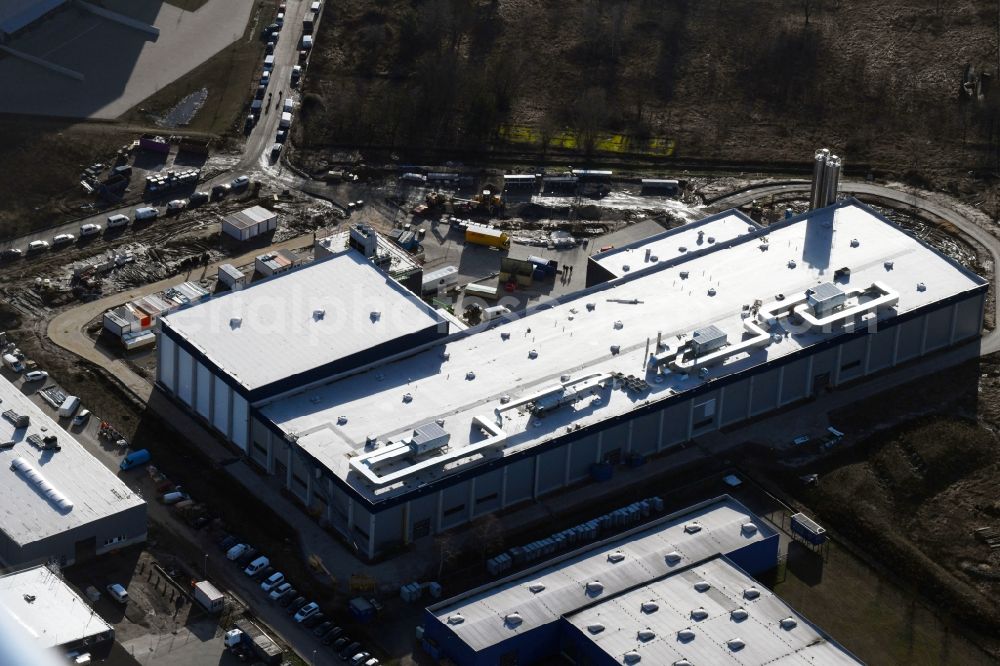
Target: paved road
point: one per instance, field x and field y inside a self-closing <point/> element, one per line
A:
<point x="964" y="220"/>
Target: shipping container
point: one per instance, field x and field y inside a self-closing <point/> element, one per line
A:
<point x="480" y="235"/>
<point x="491" y="292"/>
<point x="442" y="278"/>
<point x="209" y="596"/>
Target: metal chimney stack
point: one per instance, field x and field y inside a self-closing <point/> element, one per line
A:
<point x="825" y="180"/>
<point x="819" y="172"/>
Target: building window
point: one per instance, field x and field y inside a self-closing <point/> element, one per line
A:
<point x="453" y="510"/>
<point x="421" y="528"/>
<point x="487" y="498"/>
<point x="850" y="366"/>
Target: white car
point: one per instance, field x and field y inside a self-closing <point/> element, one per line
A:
<point x="272" y="581"/>
<point x="118" y="593"/>
<point x="177" y="205"/>
<point x="35" y="376"/>
<point x="116" y="221"/>
<point x="37" y="246"/>
<point x="63" y="239"/>
<point x="280" y="591"/>
<point x="89" y="230"/>
<point x="306" y="611"/>
<point x="237" y="551"/>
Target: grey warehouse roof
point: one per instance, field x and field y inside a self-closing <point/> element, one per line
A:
<point x="249" y="217"/>
<point x="678" y="619"/>
<point x="301" y="320"/>
<point x="546" y="592"/>
<point x="91" y="490"/>
<point x="55" y="615"/>
<point x="476" y="377"/>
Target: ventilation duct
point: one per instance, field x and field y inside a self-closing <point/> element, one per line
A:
<point x="35" y="478"/>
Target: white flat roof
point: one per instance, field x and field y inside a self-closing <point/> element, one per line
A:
<point x="46" y="609"/>
<point x="250" y="217"/>
<point x="27" y="516"/>
<point x="770" y="633"/>
<point x="564" y="580"/>
<point x="278" y="334"/>
<point x="523" y="355"/>
<point x="673" y="243"/>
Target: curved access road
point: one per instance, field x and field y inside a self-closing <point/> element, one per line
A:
<point x="977" y="231"/>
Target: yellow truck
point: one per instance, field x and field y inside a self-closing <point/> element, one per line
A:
<point x="479" y="235"/>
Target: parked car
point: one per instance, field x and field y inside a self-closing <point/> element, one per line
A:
<point x="341" y="643"/>
<point x="37" y="246"/>
<point x="81" y="418"/>
<point x="116" y="221"/>
<point x="272" y="581"/>
<point x="322" y="628"/>
<point x="256" y="566"/>
<point x="118" y="593"/>
<point x="286" y="600"/>
<point x="332" y="635"/>
<point x="311" y="622"/>
<point x="246" y="557"/>
<point x="197" y="199"/>
<point x="240" y="182"/>
<point x="227" y="542"/>
<point x="11" y="253"/>
<point x="296" y="74"/>
<point x="176" y="205"/>
<point x="296" y="604"/>
<point x="89" y="230"/>
<point x="349" y="651"/>
<point x="306" y="611"/>
<point x="63" y="239"/>
<point x="372" y="662"/>
<point x="219" y="191"/>
<point x="269" y="48"/>
<point x="279" y="20"/>
<point x="280" y="590"/>
<point x="360" y="658"/>
<point x="35" y="376"/>
<point x="237" y="551"/>
<point x="275" y="152"/>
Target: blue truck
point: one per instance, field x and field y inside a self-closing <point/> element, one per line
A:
<point x="134" y="459"/>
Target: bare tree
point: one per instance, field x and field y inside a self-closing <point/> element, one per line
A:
<point x="488" y="535"/>
<point x="447" y="550"/>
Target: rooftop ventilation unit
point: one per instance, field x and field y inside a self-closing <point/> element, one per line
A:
<point x="646" y="635"/>
<point x="788" y="623"/>
<point x="19" y="420"/>
<point x="595" y="627"/>
<point x="513" y="619"/>
<point x="595" y="587"/>
<point x="736" y="644"/>
<point x="632" y="657"/>
<point x="707" y="339"/>
<point x="702" y="586"/>
<point x="33" y="476"/>
<point x="825" y="298"/>
<point x="699" y="614"/>
<point x="235" y="322"/>
<point x="673" y="557"/>
<point x="751" y="593"/>
<point x="739" y="614"/>
<point x="429" y="437"/>
<point x="685" y="635"/>
<point x="456" y="618"/>
<point x="319" y="314"/>
<point x="649" y="607"/>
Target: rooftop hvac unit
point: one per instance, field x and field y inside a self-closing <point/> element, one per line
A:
<point x="428" y="437"/>
<point x="707" y="339"/>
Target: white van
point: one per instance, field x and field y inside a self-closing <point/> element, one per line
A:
<point x="314" y="7"/>
<point x="256" y="565"/>
<point x="286" y="120"/>
<point x="89" y="230"/>
<point x="269" y="62"/>
<point x="12" y="363"/>
<point x="289" y="104"/>
<point x="146" y="213"/>
<point x="69" y="406"/>
<point x="116" y="221"/>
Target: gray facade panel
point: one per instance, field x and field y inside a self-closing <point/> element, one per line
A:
<point x="852" y="359"/>
<point x="734" y="406"/>
<point x="910" y="338"/>
<point x="882" y="346"/>
<point x="455" y="505"/>
<point x="765" y="392"/>
<point x="795" y="381"/>
<point x="584" y="455"/>
<point x="551" y="470"/>
<point x="646" y="434"/>
<point x="520" y="481"/>
<point x="938" y="328"/>
<point x="389" y="528"/>
<point x="423" y="514"/>
<point x="968" y="322"/>
<point x="675" y="424"/>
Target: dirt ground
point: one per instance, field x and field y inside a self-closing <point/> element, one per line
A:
<point x="751" y="81"/>
<point x="914" y="489"/>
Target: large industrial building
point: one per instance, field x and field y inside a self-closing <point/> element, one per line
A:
<point x="418" y="432"/>
<point x="57" y="502"/>
<point x="675" y="591"/>
<point x="18" y="15"/>
<point x="49" y="613"/>
<point x="246" y="347"/>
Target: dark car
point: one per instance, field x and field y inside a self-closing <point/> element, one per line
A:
<point x="350" y="651"/>
<point x="293" y="607"/>
<point x="321" y="629"/>
<point x="342" y="643"/>
<point x="198" y="198"/>
<point x="240" y="182"/>
<point x="246" y="558"/>
<point x="286" y="598"/>
<point x="228" y="542"/>
<point x="269" y="49"/>
<point x="220" y="191"/>
<point x="261" y="91"/>
<point x="313" y="620"/>
<point x="332" y="635"/>
<point x="11" y="253"/>
<point x="268" y="32"/>
<point x="262" y="574"/>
